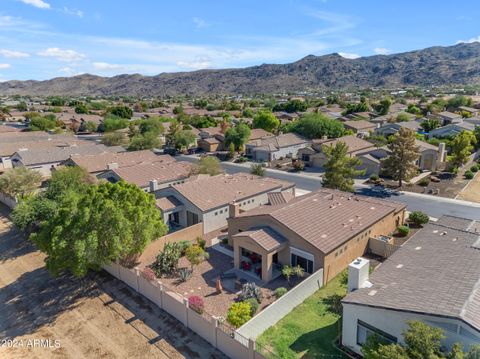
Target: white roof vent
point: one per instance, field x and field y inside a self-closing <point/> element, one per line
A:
<point x="418" y="248"/>
<point x="400" y="266"/>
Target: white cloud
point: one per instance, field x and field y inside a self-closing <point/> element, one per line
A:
<point x="5" y="66"/>
<point x="105" y="66"/>
<point x="473" y="39"/>
<point x="197" y="64"/>
<point x="37" y="3"/>
<point x="349" y="55"/>
<point x="13" y="54"/>
<point x="73" y="12"/>
<point x="70" y="71"/>
<point x="200" y="23"/>
<point x="381" y="51"/>
<point x="62" y="55"/>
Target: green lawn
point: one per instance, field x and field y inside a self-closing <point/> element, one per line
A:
<point x="310" y="329"/>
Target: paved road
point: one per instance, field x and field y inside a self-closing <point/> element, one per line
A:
<point x="433" y="206"/>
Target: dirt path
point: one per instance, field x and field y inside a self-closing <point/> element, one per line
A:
<point x="471" y="192"/>
<point x="95" y="317"/>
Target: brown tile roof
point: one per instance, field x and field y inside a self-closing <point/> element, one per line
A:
<point x="463" y="224"/>
<point x="275" y="198"/>
<point x="353" y="142"/>
<point x="437" y="272"/>
<point x="163" y="172"/>
<point x="360" y="124"/>
<point x="274" y="143"/>
<point x="328" y="218"/>
<point x="100" y="162"/>
<point x="258" y="133"/>
<point x="265" y="237"/>
<point x="211" y="192"/>
<point x="167" y="203"/>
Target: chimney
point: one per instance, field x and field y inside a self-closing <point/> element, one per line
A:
<point x="233" y="210"/>
<point x="153" y="185"/>
<point x="441" y="152"/>
<point x="112" y="166"/>
<point x="358" y="274"/>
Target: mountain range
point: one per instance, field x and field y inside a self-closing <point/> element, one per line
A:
<point x="434" y="66"/>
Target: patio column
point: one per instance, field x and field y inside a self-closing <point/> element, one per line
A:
<point x="267" y="260"/>
<point x="237" y="253"/>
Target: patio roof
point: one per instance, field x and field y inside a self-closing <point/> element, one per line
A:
<point x="168" y="203"/>
<point x="265" y="237"/>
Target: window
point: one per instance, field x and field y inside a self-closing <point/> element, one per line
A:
<point x="306" y="264"/>
<point x="216" y="213"/>
<point x="467" y="333"/>
<point x="253" y="200"/>
<point x="364" y="331"/>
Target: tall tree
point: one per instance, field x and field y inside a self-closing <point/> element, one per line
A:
<point x="317" y="125"/>
<point x="400" y="165"/>
<point x="20" y="181"/>
<point x="108" y="222"/>
<point x="172" y="134"/>
<point x="265" y="119"/>
<point x="340" y="169"/>
<point x="462" y="147"/>
<point x="209" y="165"/>
<point x="184" y="138"/>
<point x="238" y="135"/>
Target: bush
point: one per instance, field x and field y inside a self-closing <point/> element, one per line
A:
<point x="374" y="177"/>
<point x="201" y="242"/>
<point x="474" y="168"/>
<point x="196" y="304"/>
<point x="299" y="165"/>
<point x="183" y="245"/>
<point x="424" y="182"/>
<point x="280" y="291"/>
<point x="184" y="274"/>
<point x="468" y="174"/>
<point x="250" y="290"/>
<point x="148" y="274"/>
<point x="403" y="230"/>
<point x="239" y="313"/>
<point x="253" y="305"/>
<point x="418" y="218"/>
<point x="241" y="160"/>
<point x="167" y="260"/>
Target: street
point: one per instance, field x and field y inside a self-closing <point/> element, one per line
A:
<point x="433" y="206"/>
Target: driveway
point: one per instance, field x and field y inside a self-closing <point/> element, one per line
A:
<point x="94" y="317"/>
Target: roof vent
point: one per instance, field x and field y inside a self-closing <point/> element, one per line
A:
<point x="454" y="239"/>
<point x="418" y="248"/>
<point x="372" y="292"/>
<point x="372" y="207"/>
<point x="443" y="233"/>
<point x="435" y="231"/>
<point x="399" y="266"/>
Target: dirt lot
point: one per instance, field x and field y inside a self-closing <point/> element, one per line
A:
<point x="472" y="191"/>
<point x="96" y="317"/>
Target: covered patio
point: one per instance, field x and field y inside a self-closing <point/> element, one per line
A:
<point x="256" y="252"/>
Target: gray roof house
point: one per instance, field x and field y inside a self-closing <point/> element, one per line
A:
<point x="275" y="147"/>
<point x="433" y="278"/>
<point x="451" y="130"/>
<point x="390" y="129"/>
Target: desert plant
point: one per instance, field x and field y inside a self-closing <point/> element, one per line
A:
<point x="250" y="290"/>
<point x="474" y="168"/>
<point x="183" y="245"/>
<point x="201" y="242"/>
<point x="280" y="291"/>
<point x="239" y="313"/>
<point x="374" y="177"/>
<point x="148" y="274"/>
<point x="403" y="230"/>
<point x="253" y="305"/>
<point x="468" y="174"/>
<point x="299" y="165"/>
<point x="196" y="304"/>
<point x="184" y="274"/>
<point x="424" y="182"/>
<point x="167" y="260"/>
<point x="418" y="218"/>
<point x="257" y="169"/>
<point x="196" y="255"/>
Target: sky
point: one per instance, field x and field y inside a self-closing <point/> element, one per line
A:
<point x="42" y="39"/>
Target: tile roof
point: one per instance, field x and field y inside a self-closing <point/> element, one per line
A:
<point x="167" y="203"/>
<point x="258" y="133"/>
<point x="360" y="124"/>
<point x="100" y="162"/>
<point x="463" y="224"/>
<point x="449" y="114"/>
<point x="274" y="143"/>
<point x="163" y="172"/>
<point x="265" y="237"/>
<point x="437" y="272"/>
<point x="353" y="142"/>
<point x="328" y="218"/>
<point x="275" y="198"/>
<point x="211" y="192"/>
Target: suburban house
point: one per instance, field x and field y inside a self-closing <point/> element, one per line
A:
<point x="451" y="130"/>
<point x="75" y="121"/>
<point x="323" y="229"/>
<point x="44" y="160"/>
<point x="447" y="117"/>
<point x="433" y="278"/>
<point x="216" y="142"/>
<point x="472" y="111"/>
<point x="150" y="176"/>
<point x="275" y="147"/>
<point x="360" y="127"/>
<point x="206" y="199"/>
<point x="390" y="129"/>
<point x="96" y="164"/>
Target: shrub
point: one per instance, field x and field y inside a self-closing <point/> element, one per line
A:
<point x="374" y="177"/>
<point x="468" y="174"/>
<point x="253" y="305"/>
<point x="299" y="165"/>
<point x="403" y="230"/>
<point x="148" y="274"/>
<point x="424" y="182"/>
<point x="183" y="245"/>
<point x="196" y="255"/>
<point x="167" y="260"/>
<point x="184" y="274"/>
<point x="241" y="159"/>
<point x="418" y="218"/>
<point x="201" y="242"/>
<point x="474" y="168"/>
<point x="196" y="304"/>
<point x="239" y="314"/>
<point x="280" y="291"/>
<point x="250" y="290"/>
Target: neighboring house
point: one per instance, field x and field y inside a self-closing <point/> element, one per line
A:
<point x="451" y="130"/>
<point x="360" y="127"/>
<point x="206" y="199"/>
<point x="74" y="121"/>
<point x="472" y="111"/>
<point x="212" y="140"/>
<point x="432" y="278"/>
<point x="389" y="129"/>
<point x="447" y="117"/>
<point x="96" y="164"/>
<point x="396" y="108"/>
<point x="323" y="229"/>
<point x="275" y="147"/>
<point x="45" y="160"/>
<point x="150" y="176"/>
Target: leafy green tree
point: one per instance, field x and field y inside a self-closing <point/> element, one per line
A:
<point x="22" y="106"/>
<point x="317" y="125"/>
<point x="91" y="126"/>
<point x="113" y="123"/>
<point x="81" y="108"/>
<point x="184" y="139"/>
<point x="108" y="222"/>
<point x="172" y="134"/>
<point x="400" y="164"/>
<point x="257" y="169"/>
<point x="122" y="112"/>
<point x="57" y="101"/>
<point x="146" y="141"/>
<point x="474" y="352"/>
<point x="63" y="180"/>
<point x="209" y="165"/>
<point x="20" y="181"/>
<point x="44" y="123"/>
<point x="413" y="109"/>
<point x="31" y="210"/>
<point x="238" y="135"/>
<point x="430" y="124"/>
<point x="265" y="119"/>
<point x="402" y="117"/>
<point x="114" y="139"/>
<point x="457" y="101"/>
<point x="418" y="218"/>
<point x="291" y="106"/>
<point x="423" y="341"/>
<point x="152" y="125"/>
<point x="340" y="169"/>
<point x="383" y="106"/>
<point x="462" y="147"/>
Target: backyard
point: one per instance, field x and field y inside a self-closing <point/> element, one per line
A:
<point x="295" y="336"/>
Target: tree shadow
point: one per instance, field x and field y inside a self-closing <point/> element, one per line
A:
<point x="13" y="245"/>
<point x="318" y="343"/>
